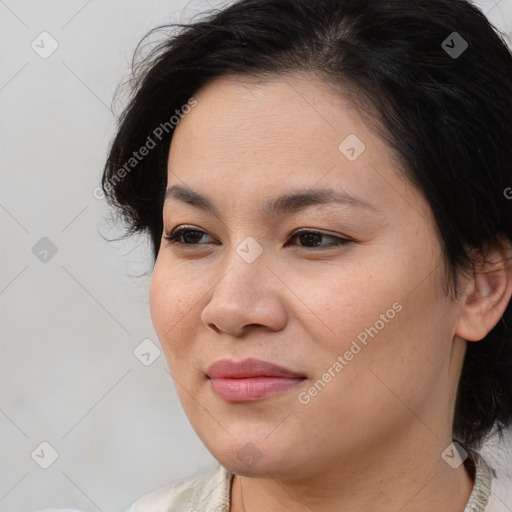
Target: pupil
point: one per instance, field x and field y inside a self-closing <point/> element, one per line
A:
<point x="191" y="234"/>
<point x="312" y="238"/>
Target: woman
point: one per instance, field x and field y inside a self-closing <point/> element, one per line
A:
<point x="326" y="188"/>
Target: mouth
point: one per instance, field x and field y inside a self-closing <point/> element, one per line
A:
<point x="250" y="380"/>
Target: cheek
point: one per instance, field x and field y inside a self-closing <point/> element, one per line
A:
<point x="174" y="310"/>
<point x="344" y="304"/>
<point x="159" y="300"/>
<point x="403" y="362"/>
<point x="384" y="318"/>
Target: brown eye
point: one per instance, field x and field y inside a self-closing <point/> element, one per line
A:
<point x="185" y="236"/>
<point x="312" y="240"/>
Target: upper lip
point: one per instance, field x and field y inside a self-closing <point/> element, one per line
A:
<point x="227" y="368"/>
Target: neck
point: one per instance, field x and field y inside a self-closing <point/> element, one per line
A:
<point x="392" y="477"/>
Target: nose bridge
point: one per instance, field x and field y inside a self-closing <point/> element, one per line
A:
<point x="246" y="266"/>
<point x="244" y="294"/>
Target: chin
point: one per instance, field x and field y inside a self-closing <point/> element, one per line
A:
<point x="247" y="458"/>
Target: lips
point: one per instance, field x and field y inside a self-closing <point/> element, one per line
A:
<point x="248" y="368"/>
<point x="250" y="380"/>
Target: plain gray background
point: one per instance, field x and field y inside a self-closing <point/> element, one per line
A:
<point x="71" y="315"/>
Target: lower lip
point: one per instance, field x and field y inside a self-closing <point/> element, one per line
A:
<point x="251" y="389"/>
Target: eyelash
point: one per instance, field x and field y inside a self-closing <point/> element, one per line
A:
<point x="172" y="238"/>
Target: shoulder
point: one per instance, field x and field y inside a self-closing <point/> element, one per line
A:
<point x="208" y="490"/>
<point x="492" y="491"/>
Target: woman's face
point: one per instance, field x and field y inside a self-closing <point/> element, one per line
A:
<point x="363" y="323"/>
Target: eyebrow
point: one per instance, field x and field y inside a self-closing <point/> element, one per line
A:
<point x="291" y="202"/>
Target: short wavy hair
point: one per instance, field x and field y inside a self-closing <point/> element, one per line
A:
<point x="434" y="76"/>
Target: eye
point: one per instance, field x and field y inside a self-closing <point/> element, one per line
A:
<point x="314" y="238"/>
<point x="186" y="236"/>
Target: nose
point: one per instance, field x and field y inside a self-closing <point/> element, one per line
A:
<point x="247" y="295"/>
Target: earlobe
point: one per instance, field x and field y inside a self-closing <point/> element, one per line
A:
<point x="487" y="294"/>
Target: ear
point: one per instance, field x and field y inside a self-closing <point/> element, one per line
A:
<point x="486" y="294"/>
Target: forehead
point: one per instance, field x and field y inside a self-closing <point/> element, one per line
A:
<point x="249" y="137"/>
<point x="283" y="113"/>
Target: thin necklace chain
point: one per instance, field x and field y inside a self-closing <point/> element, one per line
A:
<point x="242" y="494"/>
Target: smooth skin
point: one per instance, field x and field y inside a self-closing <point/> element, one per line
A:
<point x="372" y="438"/>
